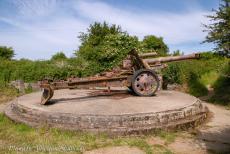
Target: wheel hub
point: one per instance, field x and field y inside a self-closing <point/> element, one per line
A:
<point x="145" y="83"/>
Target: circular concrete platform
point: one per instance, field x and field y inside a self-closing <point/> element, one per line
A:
<point x="119" y="113"/>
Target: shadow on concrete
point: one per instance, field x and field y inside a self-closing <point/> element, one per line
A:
<point x="215" y="140"/>
<point x="113" y="94"/>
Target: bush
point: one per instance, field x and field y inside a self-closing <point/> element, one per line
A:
<point x="195" y="87"/>
<point x="196" y="74"/>
<point x="222" y="87"/>
<point x="29" y="89"/>
<point x="173" y="74"/>
<point x="59" y="56"/>
<point x="7" y="93"/>
<point x="108" y="54"/>
<point x="30" y="71"/>
<point x="6" y="52"/>
<point x="152" y="43"/>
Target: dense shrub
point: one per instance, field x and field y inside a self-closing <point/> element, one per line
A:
<point x="173" y="74"/>
<point x="191" y="72"/>
<point x="195" y="87"/>
<point x="7" y="93"/>
<point x="33" y="70"/>
<point x="6" y="52"/>
<point x="222" y="87"/>
<point x="153" y="43"/>
<point x="59" y="56"/>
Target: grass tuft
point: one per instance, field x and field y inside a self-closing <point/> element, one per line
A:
<point x="7" y="93"/>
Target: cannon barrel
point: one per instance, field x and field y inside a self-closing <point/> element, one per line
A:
<point x="172" y="58"/>
<point x="150" y="54"/>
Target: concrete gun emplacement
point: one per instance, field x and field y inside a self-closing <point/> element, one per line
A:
<point x="137" y="72"/>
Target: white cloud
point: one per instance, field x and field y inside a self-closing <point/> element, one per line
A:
<point x="42" y="28"/>
<point x="175" y="28"/>
<point x="48" y="37"/>
<point x="35" y="8"/>
<point x="39" y="38"/>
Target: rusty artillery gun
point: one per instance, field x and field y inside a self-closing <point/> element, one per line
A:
<point x="137" y="73"/>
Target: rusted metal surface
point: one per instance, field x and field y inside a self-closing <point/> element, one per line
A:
<point x="150" y="54"/>
<point x="145" y="83"/>
<point x="135" y="72"/>
<point x="172" y="58"/>
<point x="47" y="94"/>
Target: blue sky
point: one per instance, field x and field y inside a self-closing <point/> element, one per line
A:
<point x="37" y="29"/>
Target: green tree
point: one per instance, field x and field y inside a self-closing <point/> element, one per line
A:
<point x="6" y="52"/>
<point x="103" y="47"/>
<point x="59" y="56"/>
<point x="152" y="43"/>
<point x="219" y="30"/>
<point x="95" y="35"/>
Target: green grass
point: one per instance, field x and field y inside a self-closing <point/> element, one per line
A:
<point x="221" y="91"/>
<point x="195" y="86"/>
<point x="169" y="137"/>
<point x="29" y="89"/>
<point x="166" y="136"/>
<point x="209" y="78"/>
<point x="14" y="136"/>
<point x="221" y="87"/>
<point x="7" y="93"/>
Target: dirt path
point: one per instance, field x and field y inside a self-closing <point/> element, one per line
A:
<point x="216" y="134"/>
<point x="213" y="137"/>
<point x="116" y="150"/>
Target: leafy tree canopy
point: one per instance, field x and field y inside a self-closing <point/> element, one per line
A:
<point x="93" y="38"/>
<point x="6" y="52"/>
<point x="59" y="56"/>
<point x="219" y="30"/>
<point x="103" y="46"/>
<point x="152" y="43"/>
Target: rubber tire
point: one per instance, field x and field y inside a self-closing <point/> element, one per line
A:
<point x="137" y="73"/>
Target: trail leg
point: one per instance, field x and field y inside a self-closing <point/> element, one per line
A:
<point x="47" y="94"/>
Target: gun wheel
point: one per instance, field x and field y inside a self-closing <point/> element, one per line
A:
<point x="145" y="82"/>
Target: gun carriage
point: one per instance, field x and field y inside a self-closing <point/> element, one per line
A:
<point x="137" y="73"/>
